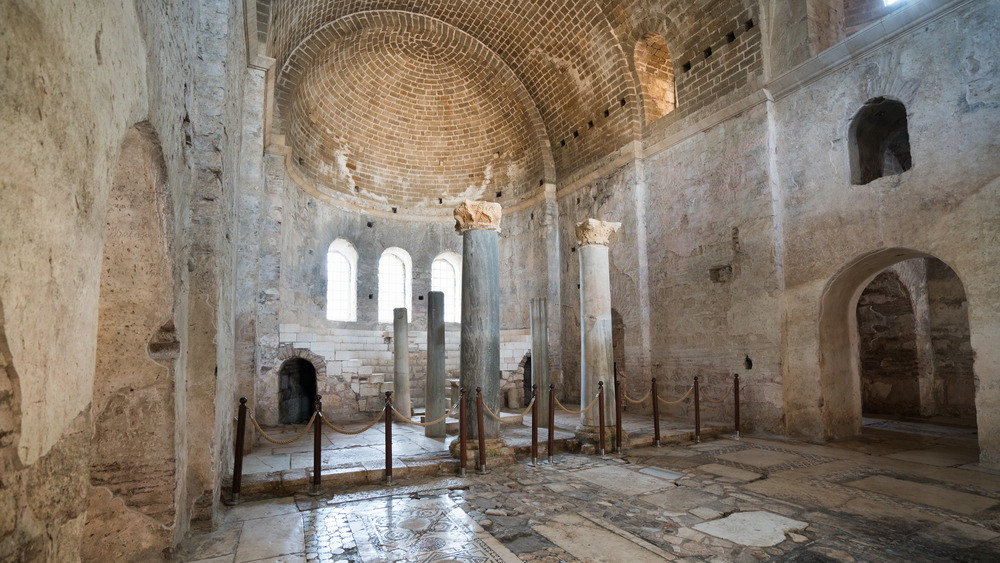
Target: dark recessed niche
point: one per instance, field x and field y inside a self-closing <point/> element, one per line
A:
<point x="499" y="194"/>
<point x="541" y="182"/>
<point x="748" y="25"/>
<point x="572" y="249"/>
<point x="607" y="112"/>
<point x="879" y="141"/>
<point x="730" y="37"/>
<point x="576" y="134"/>
<point x="562" y="143"/>
<point x="532" y="217"/>
<point x="440" y="200"/>
<point x="301" y="162"/>
<point x="747" y="362"/>
<point x="590" y="124"/>
<point x="578" y="201"/>
<point x="686" y="67"/>
<point x="370" y="224"/>
<point x="371" y="296"/>
<point x="420" y="298"/>
<point x="623" y="102"/>
<point x="721" y="274"/>
<point x="578" y="286"/>
<point x="393" y="209"/>
<point x="708" y="52"/>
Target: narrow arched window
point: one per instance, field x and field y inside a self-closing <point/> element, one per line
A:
<point x="656" y="76"/>
<point x="879" y="141"/>
<point x="394" y="283"/>
<point x="341" y="282"/>
<point x="446" y="277"/>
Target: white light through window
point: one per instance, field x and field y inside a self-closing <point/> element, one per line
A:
<point x="393" y="283"/>
<point x="446" y="277"/>
<point x="891" y="2"/>
<point x="341" y="282"/>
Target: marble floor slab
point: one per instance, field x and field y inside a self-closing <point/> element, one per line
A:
<point x="758" y="457"/>
<point x="588" y="541"/>
<point x="625" y="481"/>
<point x="759" y="528"/>
<point x="923" y="493"/>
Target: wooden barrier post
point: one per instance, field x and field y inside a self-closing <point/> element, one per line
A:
<point x="618" y="415"/>
<point x="697" y="412"/>
<point x="388" y="437"/>
<point x="482" y="431"/>
<point x="736" y="395"/>
<point x="462" y="449"/>
<point x="552" y="422"/>
<point x="534" y="425"/>
<point x="317" y="445"/>
<point x="600" y="410"/>
<point x="656" y="415"/>
<point x="241" y="428"/>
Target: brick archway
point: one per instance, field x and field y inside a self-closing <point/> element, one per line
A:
<point x="287" y="352"/>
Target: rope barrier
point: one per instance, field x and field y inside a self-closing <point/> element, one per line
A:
<point x="666" y="402"/>
<point x="518" y="418"/>
<point x="634" y="401"/>
<point x="329" y="425"/>
<point x="281" y="442"/>
<point x="408" y="420"/>
<point x="592" y="403"/>
<point x="726" y="396"/>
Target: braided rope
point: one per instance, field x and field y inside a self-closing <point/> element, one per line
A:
<point x="353" y="432"/>
<point x="592" y="403"/>
<point x="634" y="401"/>
<point x="720" y="400"/>
<point x="518" y="418"/>
<point x="666" y="402"/>
<point x="280" y="442"/>
<point x="408" y="420"/>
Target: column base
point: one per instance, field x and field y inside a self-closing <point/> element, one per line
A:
<point x="592" y="435"/>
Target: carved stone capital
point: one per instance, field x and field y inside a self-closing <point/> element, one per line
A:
<point x="592" y="231"/>
<point x="470" y="215"/>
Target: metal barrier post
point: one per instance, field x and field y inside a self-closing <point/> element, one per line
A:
<point x="552" y="422"/>
<point x="618" y="415"/>
<point x="697" y="412"/>
<point x="736" y="395"/>
<point x="388" y="437"/>
<point x="656" y="415"/>
<point x="241" y="428"/>
<point x="600" y="410"/>
<point x="462" y="451"/>
<point x="317" y="445"/>
<point x="534" y="425"/>
<point x="482" y="431"/>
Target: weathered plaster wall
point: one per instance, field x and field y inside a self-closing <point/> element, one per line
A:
<point x="945" y="206"/>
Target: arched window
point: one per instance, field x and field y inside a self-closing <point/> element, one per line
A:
<point x="446" y="277"/>
<point x="341" y="281"/>
<point x="879" y="141"/>
<point x="656" y="76"/>
<point x="394" y="283"/>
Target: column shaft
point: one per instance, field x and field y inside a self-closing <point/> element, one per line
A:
<point x="435" y="400"/>
<point x="540" y="357"/>
<point x="595" y="331"/>
<point x="480" y="355"/>
<point x="401" y="362"/>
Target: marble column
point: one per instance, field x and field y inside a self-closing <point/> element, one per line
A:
<point x="596" y="361"/>
<point x="540" y="357"/>
<point x="401" y="362"/>
<point x="436" y="402"/>
<point x="479" y="224"/>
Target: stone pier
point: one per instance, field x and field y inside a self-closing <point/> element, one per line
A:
<point x="479" y="224"/>
<point x="436" y="402"/>
<point x="540" y="357"/>
<point x="596" y="359"/>
<point x="401" y="362"/>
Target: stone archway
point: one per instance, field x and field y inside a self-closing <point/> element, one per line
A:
<point x="841" y="351"/>
<point x="296" y="391"/>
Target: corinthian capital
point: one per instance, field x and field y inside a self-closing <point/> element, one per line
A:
<point x="470" y="215"/>
<point x="592" y="231"/>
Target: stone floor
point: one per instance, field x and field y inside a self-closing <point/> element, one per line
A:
<point x="886" y="496"/>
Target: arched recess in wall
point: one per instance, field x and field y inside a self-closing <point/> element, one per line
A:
<point x="446" y="277"/>
<point x="341" y="281"/>
<point x="297" y="384"/>
<point x="133" y="468"/>
<point x="656" y="76"/>
<point x="840" y="349"/>
<point x="395" y="283"/>
<point x="879" y="141"/>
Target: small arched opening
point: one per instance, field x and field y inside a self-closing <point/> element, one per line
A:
<point x="296" y="391"/>
<point x="879" y="141"/>
<point x="656" y="76"/>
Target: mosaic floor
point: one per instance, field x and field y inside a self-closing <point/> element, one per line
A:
<point x="884" y="497"/>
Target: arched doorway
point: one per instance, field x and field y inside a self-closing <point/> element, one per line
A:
<point x="296" y="391"/>
<point x="895" y="339"/>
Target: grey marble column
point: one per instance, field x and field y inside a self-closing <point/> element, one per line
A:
<point x="596" y="361"/>
<point x="436" y="402"/>
<point x="540" y="357"/>
<point x="401" y="362"/>
<point x="479" y="222"/>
